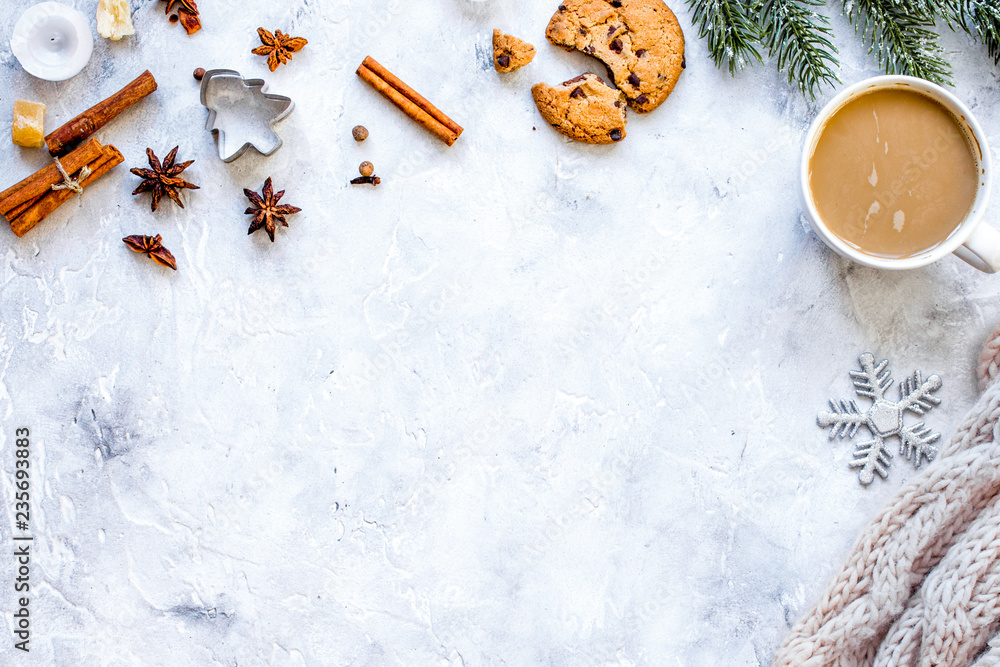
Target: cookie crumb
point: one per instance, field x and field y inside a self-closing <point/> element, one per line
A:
<point x="510" y="53"/>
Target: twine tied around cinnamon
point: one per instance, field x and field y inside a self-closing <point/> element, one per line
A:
<point x="70" y="183"/>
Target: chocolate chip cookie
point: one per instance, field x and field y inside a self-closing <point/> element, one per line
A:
<point x="510" y="53"/>
<point x="639" y="41"/>
<point x="585" y="108"/>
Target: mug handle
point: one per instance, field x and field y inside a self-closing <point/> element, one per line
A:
<point x="982" y="249"/>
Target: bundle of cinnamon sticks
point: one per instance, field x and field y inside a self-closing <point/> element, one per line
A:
<point x="27" y="203"/>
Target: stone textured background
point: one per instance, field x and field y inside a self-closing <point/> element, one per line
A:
<point x="529" y="402"/>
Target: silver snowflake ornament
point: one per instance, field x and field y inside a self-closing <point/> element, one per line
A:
<point x="884" y="418"/>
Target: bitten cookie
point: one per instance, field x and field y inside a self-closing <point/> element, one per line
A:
<point x="584" y="108"/>
<point x="639" y="41"/>
<point x="510" y="53"/>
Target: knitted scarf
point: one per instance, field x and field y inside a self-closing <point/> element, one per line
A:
<point x="921" y="587"/>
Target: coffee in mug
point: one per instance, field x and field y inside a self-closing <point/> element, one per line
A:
<point x="893" y="173"/>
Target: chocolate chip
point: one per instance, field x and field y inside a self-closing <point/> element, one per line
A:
<point x="684" y="62"/>
<point x="618" y="104"/>
<point x="616" y="45"/>
<point x="642" y="99"/>
<point x="616" y="135"/>
<point x="583" y="31"/>
<point x="504" y="61"/>
<point x="589" y="48"/>
<point x="640" y="53"/>
<point x="633" y="79"/>
<point x="562" y="8"/>
<point x="616" y="3"/>
<point x="611" y="30"/>
<point x="578" y="92"/>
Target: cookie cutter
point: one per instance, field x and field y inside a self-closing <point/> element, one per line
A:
<point x="241" y="114"/>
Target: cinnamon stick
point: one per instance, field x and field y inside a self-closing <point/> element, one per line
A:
<point x="14" y="212"/>
<point x="63" y="139"/>
<point x="409" y="101"/>
<point x="411" y="94"/>
<point x="49" y="202"/>
<point x="42" y="180"/>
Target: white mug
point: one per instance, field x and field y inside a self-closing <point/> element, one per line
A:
<point x="973" y="241"/>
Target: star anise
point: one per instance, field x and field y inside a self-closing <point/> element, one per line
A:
<point x="152" y="246"/>
<point x="163" y="179"/>
<point x="267" y="213"/>
<point x="278" y="47"/>
<point x="187" y="12"/>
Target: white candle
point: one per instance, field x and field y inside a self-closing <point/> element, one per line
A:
<point x="52" y="41"/>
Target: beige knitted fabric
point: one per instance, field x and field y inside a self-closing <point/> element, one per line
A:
<point x="921" y="587"/>
<point x="992" y="656"/>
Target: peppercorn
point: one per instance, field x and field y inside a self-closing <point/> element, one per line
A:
<point x="366" y="168"/>
<point x="199" y="73"/>
<point x="360" y="133"/>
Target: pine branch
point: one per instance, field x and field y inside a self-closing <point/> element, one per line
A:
<point x="900" y="33"/>
<point x="731" y="30"/>
<point x="800" y="39"/>
<point x="979" y="18"/>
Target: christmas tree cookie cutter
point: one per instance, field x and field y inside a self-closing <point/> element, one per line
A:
<point x="241" y="114"/>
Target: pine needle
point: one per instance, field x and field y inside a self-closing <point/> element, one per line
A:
<point x="900" y="33"/>
<point x="731" y="30"/>
<point x="980" y="18"/>
<point x="800" y="39"/>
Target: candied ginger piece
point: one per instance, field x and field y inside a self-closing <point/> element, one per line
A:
<point x="114" y="19"/>
<point x="28" y="128"/>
